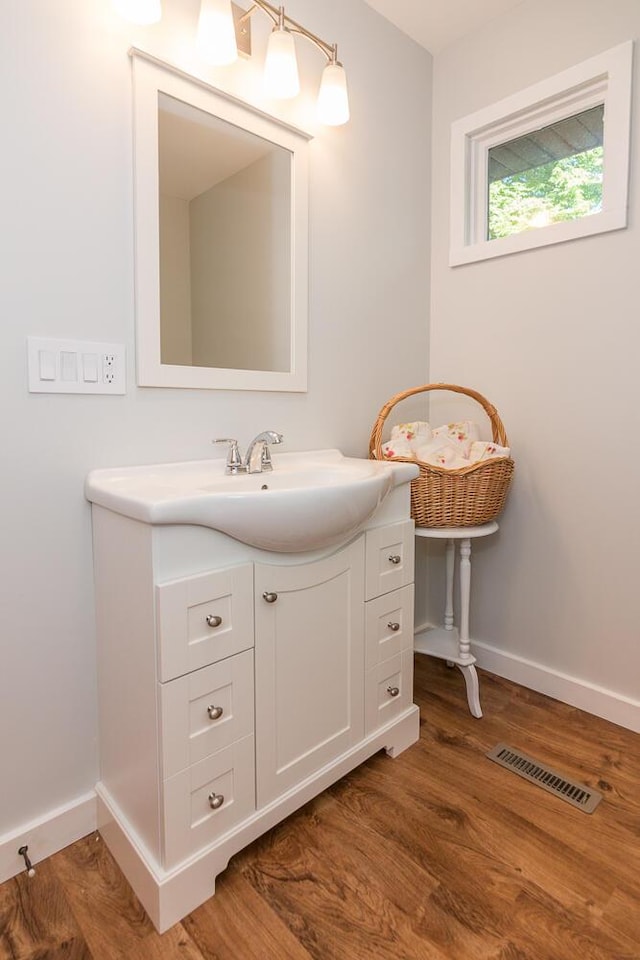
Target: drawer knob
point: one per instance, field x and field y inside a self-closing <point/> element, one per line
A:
<point x="392" y="625"/>
<point x="216" y="800"/>
<point x="393" y="691"/>
<point x="395" y="558"/>
<point x="269" y="597"/>
<point x="215" y="712"/>
<point x="214" y="621"/>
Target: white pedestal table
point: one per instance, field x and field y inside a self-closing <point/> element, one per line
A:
<point x="448" y="642"/>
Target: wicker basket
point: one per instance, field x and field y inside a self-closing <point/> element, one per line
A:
<point x="466" y="497"/>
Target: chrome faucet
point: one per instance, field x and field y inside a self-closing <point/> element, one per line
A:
<point x="258" y="456"/>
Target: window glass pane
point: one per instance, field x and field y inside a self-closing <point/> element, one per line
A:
<point x="549" y="175"/>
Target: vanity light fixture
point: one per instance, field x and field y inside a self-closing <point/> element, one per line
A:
<point x="223" y="28"/>
<point x="281" y="80"/>
<point x="281" y="68"/>
<point x="216" y="34"/>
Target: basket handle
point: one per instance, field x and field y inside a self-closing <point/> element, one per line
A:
<point x="497" y="427"/>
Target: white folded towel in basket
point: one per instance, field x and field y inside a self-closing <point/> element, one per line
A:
<point x="484" y="450"/>
<point x="442" y="451"/>
<point x="418" y="431"/>
<point x="452" y="445"/>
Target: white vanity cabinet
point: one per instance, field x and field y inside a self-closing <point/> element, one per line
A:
<point x="236" y="684"/>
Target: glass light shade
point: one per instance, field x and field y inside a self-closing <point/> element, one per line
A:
<point x="216" y="36"/>
<point x="281" y="79"/>
<point x="333" y="101"/>
<point x="139" y="11"/>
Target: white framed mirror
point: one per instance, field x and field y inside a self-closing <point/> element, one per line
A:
<point x="221" y="238"/>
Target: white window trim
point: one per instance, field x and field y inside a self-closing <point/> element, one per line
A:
<point x="606" y="78"/>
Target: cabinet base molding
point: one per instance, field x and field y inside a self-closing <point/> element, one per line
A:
<point x="168" y="896"/>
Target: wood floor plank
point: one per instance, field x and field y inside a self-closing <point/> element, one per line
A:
<point x="564" y="933"/>
<point x="67" y="950"/>
<point x="344" y="901"/>
<point x="36" y="919"/>
<point x="621" y="921"/>
<point x="440" y="837"/>
<point x="109" y="914"/>
<point x="238" y="923"/>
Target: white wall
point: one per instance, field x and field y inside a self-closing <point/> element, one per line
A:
<point x="552" y="337"/>
<point x="67" y="264"/>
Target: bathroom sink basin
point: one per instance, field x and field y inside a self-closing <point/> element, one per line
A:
<point x="310" y="500"/>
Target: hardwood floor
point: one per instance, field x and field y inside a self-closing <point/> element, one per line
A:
<point x="437" y="855"/>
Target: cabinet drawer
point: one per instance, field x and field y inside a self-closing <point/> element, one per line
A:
<point x="191" y="822"/>
<point x="389" y="558"/>
<point x="382" y="704"/>
<point x="205" y="711"/>
<point x="389" y="625"/>
<point x="203" y="619"/>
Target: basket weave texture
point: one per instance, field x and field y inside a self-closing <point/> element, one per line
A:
<point x="466" y="497"/>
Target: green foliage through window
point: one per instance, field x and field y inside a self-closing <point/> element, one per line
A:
<point x="565" y="189"/>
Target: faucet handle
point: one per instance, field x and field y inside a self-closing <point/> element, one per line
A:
<point x="234" y="460"/>
<point x="265" y="458"/>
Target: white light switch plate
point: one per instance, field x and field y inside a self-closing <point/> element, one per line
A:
<point x="75" y="366"/>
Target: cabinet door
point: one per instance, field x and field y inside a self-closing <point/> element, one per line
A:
<point x="309" y="657"/>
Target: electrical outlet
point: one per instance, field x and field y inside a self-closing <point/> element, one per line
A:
<point x="108" y="368"/>
<point x="75" y="366"/>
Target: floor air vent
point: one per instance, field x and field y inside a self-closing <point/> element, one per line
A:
<point x="577" y="794"/>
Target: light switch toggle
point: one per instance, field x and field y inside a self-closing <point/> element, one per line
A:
<point x="46" y="364"/>
<point x="68" y="366"/>
<point x="90" y="367"/>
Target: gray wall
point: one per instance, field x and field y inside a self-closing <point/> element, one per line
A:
<point x="67" y="263"/>
<point x="551" y="336"/>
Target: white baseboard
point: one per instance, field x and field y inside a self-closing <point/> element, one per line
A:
<point x="45" y="836"/>
<point x="578" y="693"/>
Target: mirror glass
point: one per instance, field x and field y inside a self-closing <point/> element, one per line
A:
<point x="225" y="243"/>
<point x="221" y="238"/>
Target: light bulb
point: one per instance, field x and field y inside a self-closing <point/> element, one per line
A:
<point x="139" y="11"/>
<point x="333" y="100"/>
<point x="216" y="36"/>
<point x="281" y="79"/>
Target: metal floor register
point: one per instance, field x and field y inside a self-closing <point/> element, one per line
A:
<point x="577" y="794"/>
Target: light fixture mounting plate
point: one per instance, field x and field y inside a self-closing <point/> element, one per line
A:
<point x="242" y="23"/>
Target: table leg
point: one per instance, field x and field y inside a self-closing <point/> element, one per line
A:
<point x="448" y="609"/>
<point x="473" y="688"/>
<point x="468" y="670"/>
<point x="450" y="559"/>
<point x="465" y="594"/>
